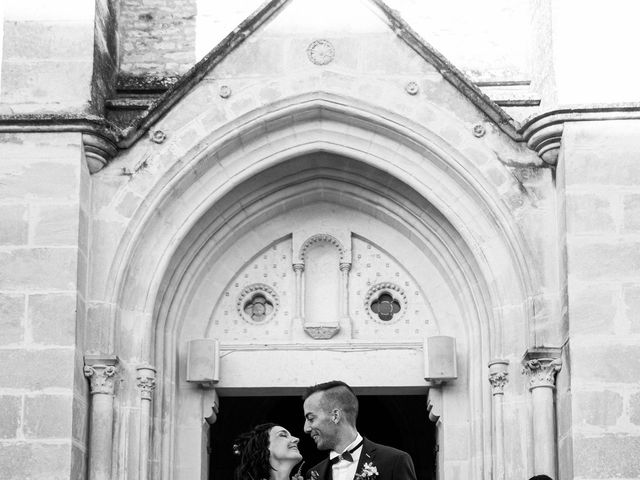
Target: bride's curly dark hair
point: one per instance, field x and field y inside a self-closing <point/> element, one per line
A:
<point x="253" y="449"/>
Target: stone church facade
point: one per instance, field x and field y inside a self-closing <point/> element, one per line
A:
<point x="323" y="194"/>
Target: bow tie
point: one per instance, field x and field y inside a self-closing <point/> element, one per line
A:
<point x="345" y="455"/>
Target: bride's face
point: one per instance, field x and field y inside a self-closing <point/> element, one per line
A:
<point x="283" y="446"/>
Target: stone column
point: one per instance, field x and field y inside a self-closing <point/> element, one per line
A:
<point x="101" y="371"/>
<point x="298" y="268"/>
<point x="146" y="383"/>
<point x="542" y="365"/>
<point x="345" y="321"/>
<point x="498" y="377"/>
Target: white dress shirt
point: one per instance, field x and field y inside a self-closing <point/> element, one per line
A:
<point x="345" y="470"/>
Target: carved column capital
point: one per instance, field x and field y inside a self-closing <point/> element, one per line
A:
<point x="298" y="267"/>
<point x="345" y="267"/>
<point x="542" y="365"/>
<point x="146" y="381"/>
<point x="101" y="372"/>
<point x="498" y="376"/>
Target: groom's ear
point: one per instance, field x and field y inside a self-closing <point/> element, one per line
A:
<point x="335" y="415"/>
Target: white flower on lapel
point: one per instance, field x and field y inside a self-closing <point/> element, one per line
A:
<point x="369" y="471"/>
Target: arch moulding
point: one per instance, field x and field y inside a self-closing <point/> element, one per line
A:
<point x="222" y="159"/>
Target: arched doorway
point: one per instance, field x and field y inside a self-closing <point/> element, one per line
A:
<point x="397" y="420"/>
<point x="407" y="197"/>
<point x="319" y="262"/>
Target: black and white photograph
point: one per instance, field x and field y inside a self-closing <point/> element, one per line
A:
<point x="319" y="240"/>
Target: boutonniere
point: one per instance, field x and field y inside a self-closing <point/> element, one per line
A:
<point x="369" y="471"/>
<point x="313" y="475"/>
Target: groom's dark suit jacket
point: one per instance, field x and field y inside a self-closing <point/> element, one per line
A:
<point x="392" y="464"/>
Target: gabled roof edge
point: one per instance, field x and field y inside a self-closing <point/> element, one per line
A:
<point x="191" y="78"/>
<point x="187" y="81"/>
<point x="459" y="80"/>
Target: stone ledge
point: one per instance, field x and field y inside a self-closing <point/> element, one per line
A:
<point x="103" y="139"/>
<point x="543" y="131"/>
<point x="99" y="136"/>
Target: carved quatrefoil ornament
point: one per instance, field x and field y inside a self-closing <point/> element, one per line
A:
<point x="386" y="303"/>
<point x="257" y="303"/>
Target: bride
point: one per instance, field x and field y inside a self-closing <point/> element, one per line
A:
<point x="268" y="452"/>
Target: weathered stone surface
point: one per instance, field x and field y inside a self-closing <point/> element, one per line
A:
<point x="36" y="369"/>
<point x="592" y="167"/>
<point x="601" y="409"/>
<point x="40" y="179"/>
<point x="41" y="40"/>
<point x="611" y="363"/>
<point x="631" y="298"/>
<point x="47" y="416"/>
<point x="11" y="318"/>
<point x="592" y="309"/>
<point x="55" y="224"/>
<point x="37" y="461"/>
<point x="53" y="319"/>
<point x="604" y="260"/>
<point x="18" y="149"/>
<point x="80" y="419"/>
<point x="631" y="213"/>
<point x="78" y="463"/>
<point x="47" y="82"/>
<point x="10" y="411"/>
<point x="99" y="324"/>
<point x="607" y="456"/>
<point x="156" y="39"/>
<point x="634" y="408"/>
<point x="38" y="268"/>
<point x="588" y="213"/>
<point x="14" y="226"/>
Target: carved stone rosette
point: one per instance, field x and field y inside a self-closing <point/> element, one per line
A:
<point x="101" y="378"/>
<point x="542" y="371"/>
<point x="146" y="381"/>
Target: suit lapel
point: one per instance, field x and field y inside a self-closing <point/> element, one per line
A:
<point x="367" y="455"/>
<point x="324" y="472"/>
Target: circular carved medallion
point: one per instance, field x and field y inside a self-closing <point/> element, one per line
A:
<point x="412" y="88"/>
<point x="385" y="303"/>
<point x="479" y="130"/>
<point x="225" y="91"/>
<point x="320" y="52"/>
<point x="257" y="303"/>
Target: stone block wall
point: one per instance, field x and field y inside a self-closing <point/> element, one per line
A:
<point x="157" y="37"/>
<point x="42" y="422"/>
<point x="47" y="56"/>
<point x="602" y="177"/>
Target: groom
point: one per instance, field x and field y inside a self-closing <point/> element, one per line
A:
<point x="330" y="412"/>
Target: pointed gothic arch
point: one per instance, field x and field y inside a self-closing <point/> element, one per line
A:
<point x="212" y="167"/>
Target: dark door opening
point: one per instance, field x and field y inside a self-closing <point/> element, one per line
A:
<point x="400" y="421"/>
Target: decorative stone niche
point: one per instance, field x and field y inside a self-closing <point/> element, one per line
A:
<point x="322" y="282"/>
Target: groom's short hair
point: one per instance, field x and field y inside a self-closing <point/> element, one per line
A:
<point x="336" y="394"/>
